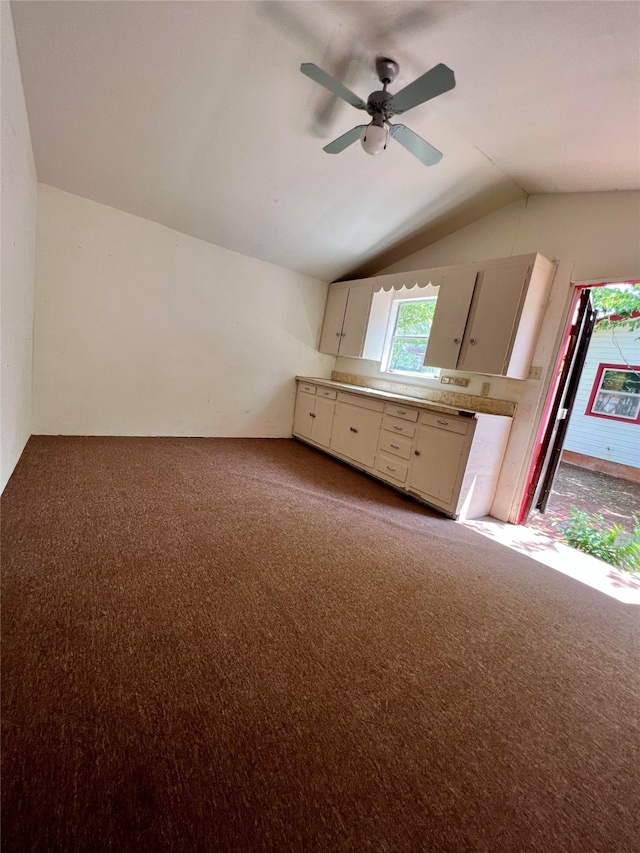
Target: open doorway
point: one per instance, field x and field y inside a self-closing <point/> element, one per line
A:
<point x="588" y="449"/>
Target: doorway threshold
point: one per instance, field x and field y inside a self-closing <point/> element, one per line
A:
<point x="577" y="565"/>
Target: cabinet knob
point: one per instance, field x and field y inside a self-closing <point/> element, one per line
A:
<point x="456" y="340"/>
<point x="353" y="429"/>
<point x="417" y="452"/>
<point x="472" y="340"/>
<point x="311" y="415"/>
<point x="337" y="334"/>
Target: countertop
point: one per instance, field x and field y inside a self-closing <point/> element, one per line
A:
<point x="388" y="396"/>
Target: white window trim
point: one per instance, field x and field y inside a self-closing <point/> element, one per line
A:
<point x="390" y="335"/>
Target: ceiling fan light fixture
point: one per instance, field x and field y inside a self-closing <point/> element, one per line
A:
<point x="374" y="138"/>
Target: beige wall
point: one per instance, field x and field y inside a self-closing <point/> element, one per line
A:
<point x="592" y="236"/>
<point x="18" y="210"/>
<point x="141" y="330"/>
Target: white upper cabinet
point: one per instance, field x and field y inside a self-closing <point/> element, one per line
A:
<point x="346" y="317"/>
<point x="486" y="320"/>
<point x="487" y="316"/>
<point x="450" y="319"/>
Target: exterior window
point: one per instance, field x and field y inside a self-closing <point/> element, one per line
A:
<point x="616" y="393"/>
<point x="408" y="333"/>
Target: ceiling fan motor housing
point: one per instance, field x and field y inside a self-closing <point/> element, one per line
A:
<point x="380" y="106"/>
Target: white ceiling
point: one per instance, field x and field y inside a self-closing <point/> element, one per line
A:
<point x="195" y="115"/>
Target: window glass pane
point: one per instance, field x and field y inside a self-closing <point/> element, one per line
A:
<point x="408" y="354"/>
<point x="414" y="318"/>
<point x="621" y="380"/>
<point x="616" y="405"/>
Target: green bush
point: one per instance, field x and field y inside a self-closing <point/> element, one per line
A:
<point x="611" y="544"/>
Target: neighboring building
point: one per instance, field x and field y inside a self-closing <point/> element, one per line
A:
<point x="604" y="430"/>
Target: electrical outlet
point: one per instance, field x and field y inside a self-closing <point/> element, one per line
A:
<point x="462" y="382"/>
<point x="484" y="391"/>
<point x="446" y="380"/>
<point x="535" y="373"/>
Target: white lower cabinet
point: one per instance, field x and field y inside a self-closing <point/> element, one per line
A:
<point x="452" y="462"/>
<point x="356" y="427"/>
<point x="313" y="417"/>
<point x="439" y="456"/>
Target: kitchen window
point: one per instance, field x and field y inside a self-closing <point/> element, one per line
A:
<point x="616" y="393"/>
<point x="407" y="335"/>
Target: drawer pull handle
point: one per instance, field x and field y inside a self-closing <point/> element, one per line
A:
<point x="311" y="415"/>
<point x="353" y="429"/>
<point x="390" y="468"/>
<point x="444" y="423"/>
<point x="417" y="452"/>
<point x="399" y="428"/>
<point x="395" y="446"/>
<point x="401" y="411"/>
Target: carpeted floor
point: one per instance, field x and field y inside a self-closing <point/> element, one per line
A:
<point x="243" y="645"/>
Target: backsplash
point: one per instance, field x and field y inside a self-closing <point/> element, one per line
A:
<point x="487" y="405"/>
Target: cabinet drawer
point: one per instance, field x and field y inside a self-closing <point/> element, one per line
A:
<point x="398" y="427"/>
<point x="395" y="444"/>
<point x="392" y="467"/>
<point x="308" y="389"/>
<point x="452" y="424"/>
<point x="401" y="412"/>
<point x="327" y="393"/>
<point x="362" y="402"/>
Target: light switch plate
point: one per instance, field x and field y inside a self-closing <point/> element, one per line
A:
<point x="484" y="391"/>
<point x="535" y="373"/>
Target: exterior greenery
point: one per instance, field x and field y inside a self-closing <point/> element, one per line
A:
<point x="410" y="336"/>
<point x="611" y="544"/>
<point x="620" y="301"/>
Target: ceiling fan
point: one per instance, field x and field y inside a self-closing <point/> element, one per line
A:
<point x="382" y="105"/>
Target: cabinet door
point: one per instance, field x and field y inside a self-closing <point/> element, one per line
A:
<point x="303" y="415"/>
<point x="333" y="320"/>
<point x="450" y="318"/>
<point x="355" y="321"/>
<point x="435" y="465"/>
<point x="493" y="320"/>
<point x="355" y="433"/>
<point x="323" y="421"/>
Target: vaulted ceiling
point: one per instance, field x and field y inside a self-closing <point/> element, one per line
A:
<point x="195" y="115"/>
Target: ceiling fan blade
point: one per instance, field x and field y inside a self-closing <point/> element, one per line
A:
<point x="330" y="83"/>
<point x="426" y="153"/>
<point x="345" y="140"/>
<point x="440" y="79"/>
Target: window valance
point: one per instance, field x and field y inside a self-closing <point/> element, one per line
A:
<point x="396" y="281"/>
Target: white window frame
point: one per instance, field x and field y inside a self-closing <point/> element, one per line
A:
<point x="434" y="372"/>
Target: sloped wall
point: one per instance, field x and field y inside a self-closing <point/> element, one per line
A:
<point x="18" y="208"/>
<point x="141" y="330"/>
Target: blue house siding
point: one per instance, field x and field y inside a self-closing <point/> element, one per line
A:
<point x="611" y="440"/>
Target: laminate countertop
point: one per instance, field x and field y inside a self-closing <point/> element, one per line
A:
<point x="392" y="397"/>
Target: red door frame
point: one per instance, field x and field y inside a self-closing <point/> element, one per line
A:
<point x="539" y="453"/>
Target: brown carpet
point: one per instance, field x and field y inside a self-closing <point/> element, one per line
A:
<point x="243" y="645"/>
